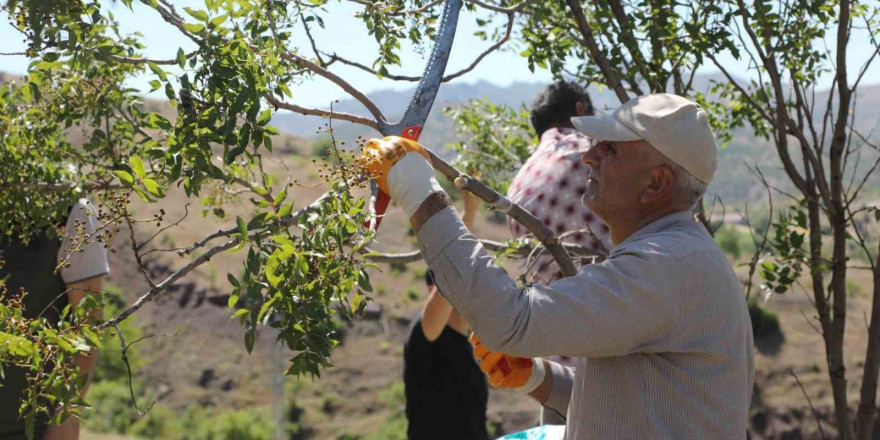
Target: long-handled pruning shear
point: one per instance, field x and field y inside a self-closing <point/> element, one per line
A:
<point x="410" y="126"/>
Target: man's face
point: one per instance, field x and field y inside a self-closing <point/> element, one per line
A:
<point x="619" y="172"/>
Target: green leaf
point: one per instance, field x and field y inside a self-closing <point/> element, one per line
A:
<point x="137" y="165"/>
<point x="197" y="14"/>
<point x="233" y="300"/>
<point x="281" y="196"/>
<point x="217" y="21"/>
<point x="232" y="280"/>
<point x="195" y="28"/>
<point x="142" y="194"/>
<point x="237" y="247"/>
<point x="181" y="58"/>
<point x="152" y="187"/>
<point x="264" y="117"/>
<point x="239" y="313"/>
<point x="124" y="177"/>
<point x="266" y="307"/>
<point x="285" y="210"/>
<point x="158" y="71"/>
<point x="283" y="241"/>
<point x="242" y="226"/>
<point x="249" y="341"/>
<point x="364" y="281"/>
<point x="271" y="269"/>
<point x="92" y="336"/>
<point x="17" y="345"/>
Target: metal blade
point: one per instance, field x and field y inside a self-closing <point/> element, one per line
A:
<point x="420" y="105"/>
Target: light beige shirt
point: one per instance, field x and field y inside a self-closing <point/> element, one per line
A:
<point x="660" y="328"/>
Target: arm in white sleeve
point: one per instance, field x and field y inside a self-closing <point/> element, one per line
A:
<point x="607" y="309"/>
<point x="92" y="260"/>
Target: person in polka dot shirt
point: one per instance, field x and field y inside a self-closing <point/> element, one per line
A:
<point x="554" y="179"/>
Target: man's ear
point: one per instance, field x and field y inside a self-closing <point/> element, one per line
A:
<point x="660" y="185"/>
<point x="579" y="109"/>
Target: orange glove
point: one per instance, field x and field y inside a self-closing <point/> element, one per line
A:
<point x="407" y="178"/>
<point x="380" y="155"/>
<point x="505" y="371"/>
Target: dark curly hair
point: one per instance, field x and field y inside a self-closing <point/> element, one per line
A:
<point x="555" y="104"/>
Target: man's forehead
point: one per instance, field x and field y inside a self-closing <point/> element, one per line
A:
<point x="625" y="144"/>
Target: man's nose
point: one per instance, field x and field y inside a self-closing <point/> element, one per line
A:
<point x="590" y="158"/>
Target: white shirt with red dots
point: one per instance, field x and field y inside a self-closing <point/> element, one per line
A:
<point x="551" y="185"/>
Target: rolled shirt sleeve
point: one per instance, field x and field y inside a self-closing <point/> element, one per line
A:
<point x="92" y="260"/>
<point x="611" y="308"/>
<point x="560" y="389"/>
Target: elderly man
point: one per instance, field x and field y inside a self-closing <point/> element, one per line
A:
<point x="660" y="327"/>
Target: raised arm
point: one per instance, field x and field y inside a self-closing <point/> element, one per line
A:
<point x="437" y="311"/>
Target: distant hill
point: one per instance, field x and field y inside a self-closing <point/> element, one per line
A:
<point x="733" y="183"/>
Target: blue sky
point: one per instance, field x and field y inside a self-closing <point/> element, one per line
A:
<point x="346" y="36"/>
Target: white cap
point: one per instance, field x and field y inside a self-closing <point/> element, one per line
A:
<point x="677" y="127"/>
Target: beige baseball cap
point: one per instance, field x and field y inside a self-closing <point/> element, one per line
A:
<point x="677" y="127"/>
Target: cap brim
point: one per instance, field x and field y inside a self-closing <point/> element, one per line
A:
<point x="604" y="128"/>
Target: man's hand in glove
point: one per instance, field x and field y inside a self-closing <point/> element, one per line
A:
<point x="402" y="169"/>
<point x="504" y="371"/>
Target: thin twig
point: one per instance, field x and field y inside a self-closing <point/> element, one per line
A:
<point x="357" y="119"/>
<point x="812" y="408"/>
<point x="137" y="255"/>
<point x="185" y="213"/>
<point x="128" y="368"/>
<point x="334" y="57"/>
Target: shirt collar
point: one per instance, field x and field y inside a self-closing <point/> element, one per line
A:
<point x="555" y="131"/>
<point x="658" y="225"/>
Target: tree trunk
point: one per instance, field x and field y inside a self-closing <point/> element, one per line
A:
<point x="868" y="405"/>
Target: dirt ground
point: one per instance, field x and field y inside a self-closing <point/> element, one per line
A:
<point x="204" y="360"/>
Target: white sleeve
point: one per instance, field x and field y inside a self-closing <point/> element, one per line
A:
<point x="92" y="261"/>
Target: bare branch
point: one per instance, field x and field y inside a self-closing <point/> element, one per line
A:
<point x="867" y="64"/>
<point x="137" y="254"/>
<point x="334" y="57"/>
<point x="322" y="113"/>
<point x="182" y="218"/>
<point x="312" y="41"/>
<point x="759" y="247"/>
<point x="595" y="53"/>
<point x="124" y="353"/>
<point x="523" y="252"/>
<point x="812" y="408"/>
<point x="132" y="60"/>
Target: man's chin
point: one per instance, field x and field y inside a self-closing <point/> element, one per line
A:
<point x="591" y="202"/>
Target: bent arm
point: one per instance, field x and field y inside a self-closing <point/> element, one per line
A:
<point x="435" y="315"/>
<point x="76" y="291"/>
<point x="437" y="311"/>
<point x="605" y="310"/>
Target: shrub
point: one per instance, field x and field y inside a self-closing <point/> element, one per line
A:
<point x="111" y="409"/>
<point x="412" y="294"/>
<point x="160" y="422"/>
<point x="764" y="322"/>
<point x="244" y="424"/>
<point x="735" y="243"/>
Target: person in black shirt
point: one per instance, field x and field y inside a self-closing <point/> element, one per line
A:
<point x="446" y="393"/>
